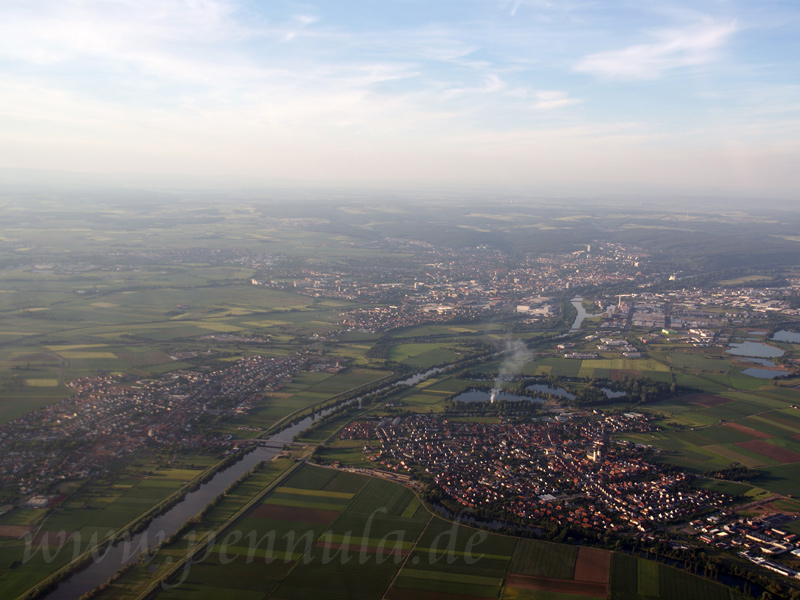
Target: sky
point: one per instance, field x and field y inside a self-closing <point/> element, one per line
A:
<point x="556" y="97"/>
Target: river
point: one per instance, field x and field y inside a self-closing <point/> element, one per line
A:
<point x="163" y="526"/>
<point x="414" y="379"/>
<point x="577" y="302"/>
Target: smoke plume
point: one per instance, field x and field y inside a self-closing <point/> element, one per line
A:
<point x="516" y="354"/>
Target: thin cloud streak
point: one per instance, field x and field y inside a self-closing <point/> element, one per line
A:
<point x="675" y="48"/>
<point x="550" y="99"/>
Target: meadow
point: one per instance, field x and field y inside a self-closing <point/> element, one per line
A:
<point x="46" y="540"/>
<point x="354" y="536"/>
<point x="136" y="333"/>
<point x="306" y="390"/>
<point x="758" y="429"/>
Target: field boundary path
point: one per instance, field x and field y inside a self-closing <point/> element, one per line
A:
<point x="410" y="552"/>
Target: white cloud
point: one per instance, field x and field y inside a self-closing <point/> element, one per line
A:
<point x="695" y="45"/>
<point x="549" y="99"/>
<point x="217" y="86"/>
<point x="492" y="84"/>
<point x="49" y="31"/>
<point x="497" y="87"/>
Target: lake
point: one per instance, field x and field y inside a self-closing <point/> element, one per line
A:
<point x="786" y="336"/>
<point x="414" y="379"/>
<point x="484" y="396"/>
<point x="756" y="349"/>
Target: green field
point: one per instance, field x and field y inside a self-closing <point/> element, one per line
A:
<point x="306" y="389"/>
<point x="714" y="436"/>
<point x="543" y="559"/>
<point x="637" y="579"/>
<point x="422" y="554"/>
<point x="424" y="355"/>
<point x="55" y="331"/>
<point x="95" y="512"/>
<point x="699" y="362"/>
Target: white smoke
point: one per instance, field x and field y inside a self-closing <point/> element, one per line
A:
<point x="516" y="354"/>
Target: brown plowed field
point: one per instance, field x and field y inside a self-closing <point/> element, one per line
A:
<point x="748" y="430"/>
<point x="593" y="564"/>
<point x="619" y="374"/>
<point x="296" y="514"/>
<point x="708" y="400"/>
<point x="561" y="586"/>
<point x="14" y="531"/>
<point x="770" y="451"/>
<point x="778" y="419"/>
<point x="401" y="594"/>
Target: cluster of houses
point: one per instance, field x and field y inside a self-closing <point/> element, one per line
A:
<point x="565" y="470"/>
<point x="383" y="318"/>
<point x="432" y="284"/>
<point x="610" y="344"/>
<point x="762" y="541"/>
<point x="106" y="419"/>
<point x="428" y="283"/>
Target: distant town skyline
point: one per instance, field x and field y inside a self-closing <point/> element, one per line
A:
<point x="569" y="97"/>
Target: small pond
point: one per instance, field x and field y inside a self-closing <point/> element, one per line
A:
<point x="761" y="361"/>
<point x="763" y="373"/>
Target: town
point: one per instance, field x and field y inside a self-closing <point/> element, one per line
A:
<point x="562" y="471"/>
<point x="108" y="419"/>
<point x="438" y="285"/>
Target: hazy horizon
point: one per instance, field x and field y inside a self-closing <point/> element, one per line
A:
<point x="567" y="98"/>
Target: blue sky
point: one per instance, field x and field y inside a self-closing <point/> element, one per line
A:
<point x="587" y="97"/>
